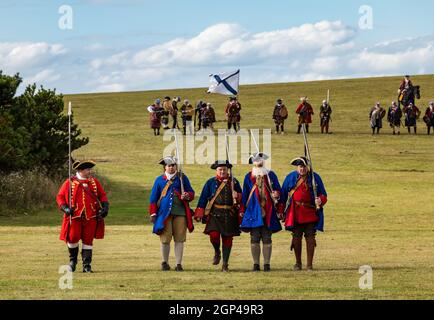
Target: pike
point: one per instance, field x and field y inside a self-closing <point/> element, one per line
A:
<point x="69" y="165"/>
<point x="178" y="162"/>
<point x="230" y="169"/>
<point x="270" y="183"/>
<point x="307" y="154"/>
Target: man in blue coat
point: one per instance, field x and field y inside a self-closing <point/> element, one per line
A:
<point x="218" y="206"/>
<point x="303" y="212"/>
<point x="259" y="209"/>
<point x="170" y="211"/>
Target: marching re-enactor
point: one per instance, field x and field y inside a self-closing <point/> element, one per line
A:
<point x="259" y="210"/>
<point x="84" y="218"/>
<point x="303" y="213"/>
<point x="218" y="207"/>
<point x="170" y="211"/>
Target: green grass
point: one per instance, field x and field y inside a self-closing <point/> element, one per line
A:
<point x="379" y="211"/>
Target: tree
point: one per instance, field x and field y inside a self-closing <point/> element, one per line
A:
<point x="33" y="128"/>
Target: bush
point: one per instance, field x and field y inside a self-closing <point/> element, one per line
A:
<point x="26" y="191"/>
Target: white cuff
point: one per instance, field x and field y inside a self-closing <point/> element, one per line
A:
<point x="72" y="245"/>
<point x="87" y="247"/>
<point x="153" y="215"/>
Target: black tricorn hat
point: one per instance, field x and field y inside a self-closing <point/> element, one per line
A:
<point x="300" y="161"/>
<point x="232" y="98"/>
<point x="81" y="165"/>
<point x="221" y="163"/>
<point x="166" y="98"/>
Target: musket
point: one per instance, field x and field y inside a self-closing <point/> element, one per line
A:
<point x="230" y="170"/>
<point x="275" y="201"/>
<point x="179" y="162"/>
<point x="307" y="154"/>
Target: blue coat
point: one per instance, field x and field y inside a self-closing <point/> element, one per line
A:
<point x="252" y="213"/>
<point x="165" y="208"/>
<point x="289" y="183"/>
<point x="209" y="190"/>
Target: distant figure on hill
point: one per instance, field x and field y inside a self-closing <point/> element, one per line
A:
<point x="155" y="113"/>
<point x="174" y="112"/>
<point x="208" y="116"/>
<point x="167" y="106"/>
<point x="376" y="117"/>
<point x="305" y="112"/>
<point x="232" y="112"/>
<point x="429" y="117"/>
<point x="325" y="112"/>
<point x="412" y="113"/>
<point x="394" y="115"/>
<point x="280" y="114"/>
<point x="198" y="113"/>
<point x="405" y="86"/>
<point x="187" y="112"/>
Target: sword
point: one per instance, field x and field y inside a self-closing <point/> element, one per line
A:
<point x="69" y="165"/>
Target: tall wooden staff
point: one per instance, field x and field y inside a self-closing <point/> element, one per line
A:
<point x="69" y="166"/>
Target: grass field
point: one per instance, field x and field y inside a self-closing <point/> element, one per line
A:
<point x="380" y="209"/>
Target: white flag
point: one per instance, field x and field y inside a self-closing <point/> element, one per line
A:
<point x="225" y="83"/>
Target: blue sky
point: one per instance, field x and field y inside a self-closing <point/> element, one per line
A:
<point x="139" y="45"/>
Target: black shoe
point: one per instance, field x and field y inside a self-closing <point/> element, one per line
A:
<point x="267" y="268"/>
<point x="73" y="265"/>
<point x="256" y="267"/>
<point x="73" y="253"/>
<point x="179" y="268"/>
<point x="87" y="259"/>
<point x="225" y="267"/>
<point x="165" y="266"/>
<point x="87" y="268"/>
<point x="217" y="258"/>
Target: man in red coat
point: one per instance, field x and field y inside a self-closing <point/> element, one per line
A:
<point x="305" y="112"/>
<point x="83" y="218"/>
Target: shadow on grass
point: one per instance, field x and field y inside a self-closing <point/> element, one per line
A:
<point x="128" y="206"/>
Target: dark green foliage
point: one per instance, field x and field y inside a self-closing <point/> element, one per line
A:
<point x="33" y="128"/>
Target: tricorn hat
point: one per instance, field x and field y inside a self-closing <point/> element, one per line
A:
<point x="300" y="161"/>
<point x="81" y="165"/>
<point x="258" y="156"/>
<point x="168" y="160"/>
<point x="221" y="163"/>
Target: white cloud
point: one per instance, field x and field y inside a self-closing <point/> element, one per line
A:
<point x="45" y="76"/>
<point x="16" y="56"/>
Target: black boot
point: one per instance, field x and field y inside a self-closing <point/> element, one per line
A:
<point x="298" y="130"/>
<point x="73" y="253"/>
<point x="217" y="254"/>
<point x="256" y="267"/>
<point x="86" y="254"/>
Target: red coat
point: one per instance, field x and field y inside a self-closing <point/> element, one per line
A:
<point x="402" y="85"/>
<point x="305" y="112"/>
<point x="86" y="198"/>
<point x="301" y="208"/>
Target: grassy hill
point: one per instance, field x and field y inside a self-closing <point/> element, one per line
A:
<point x="379" y="211"/>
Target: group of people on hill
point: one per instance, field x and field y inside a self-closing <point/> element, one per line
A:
<point x="159" y="113"/>
<point x="410" y="111"/>
<point x="304" y="112"/>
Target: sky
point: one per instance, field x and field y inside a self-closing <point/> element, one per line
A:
<point x="131" y="45"/>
